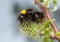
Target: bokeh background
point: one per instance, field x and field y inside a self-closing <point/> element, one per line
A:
<point x="9" y="10"/>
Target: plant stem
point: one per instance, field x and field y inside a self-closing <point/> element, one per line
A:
<point x="48" y="15"/>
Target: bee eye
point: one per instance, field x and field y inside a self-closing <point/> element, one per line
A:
<point x="21" y="16"/>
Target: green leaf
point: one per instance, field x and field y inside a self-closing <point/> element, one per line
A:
<point x="55" y="5"/>
<point x="58" y="33"/>
<point x="48" y="31"/>
<point x="46" y="24"/>
<point x="47" y="3"/>
<point x="41" y="0"/>
<point x="47" y="39"/>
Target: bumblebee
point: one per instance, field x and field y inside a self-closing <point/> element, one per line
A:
<point x="31" y="15"/>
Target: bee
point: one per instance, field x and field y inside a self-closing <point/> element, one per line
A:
<point x="31" y="15"/>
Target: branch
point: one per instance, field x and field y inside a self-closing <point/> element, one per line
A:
<point x="48" y="15"/>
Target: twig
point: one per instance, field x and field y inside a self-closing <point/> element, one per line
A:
<point x="48" y="15"/>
